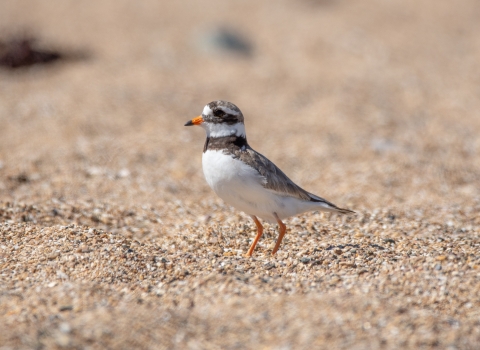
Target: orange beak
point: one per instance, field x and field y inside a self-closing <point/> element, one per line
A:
<point x="195" y="121"/>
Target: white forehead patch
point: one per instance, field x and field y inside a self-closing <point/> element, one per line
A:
<point x="206" y="110"/>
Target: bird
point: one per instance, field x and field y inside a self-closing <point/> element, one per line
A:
<point x="247" y="180"/>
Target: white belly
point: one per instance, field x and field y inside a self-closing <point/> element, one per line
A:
<point x="240" y="186"/>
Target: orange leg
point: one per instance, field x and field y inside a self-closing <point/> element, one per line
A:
<point x="259" y="234"/>
<point x="282" y="229"/>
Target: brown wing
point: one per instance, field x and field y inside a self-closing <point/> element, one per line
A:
<point x="275" y="179"/>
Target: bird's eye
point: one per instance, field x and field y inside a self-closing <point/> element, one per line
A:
<point x="218" y="113"/>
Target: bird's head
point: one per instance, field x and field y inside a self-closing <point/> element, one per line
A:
<point x="220" y="119"/>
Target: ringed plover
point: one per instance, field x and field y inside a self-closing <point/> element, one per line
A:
<point x="246" y="179"/>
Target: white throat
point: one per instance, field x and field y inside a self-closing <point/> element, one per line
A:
<point x="222" y="130"/>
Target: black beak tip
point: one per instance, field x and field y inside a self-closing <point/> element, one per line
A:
<point x="189" y="123"/>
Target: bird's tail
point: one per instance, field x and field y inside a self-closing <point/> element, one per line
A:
<point x="329" y="206"/>
<point x="344" y="211"/>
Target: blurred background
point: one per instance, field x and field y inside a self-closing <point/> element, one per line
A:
<point x="111" y="238"/>
<point x="371" y="104"/>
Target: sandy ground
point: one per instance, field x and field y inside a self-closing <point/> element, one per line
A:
<point x="110" y="237"/>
